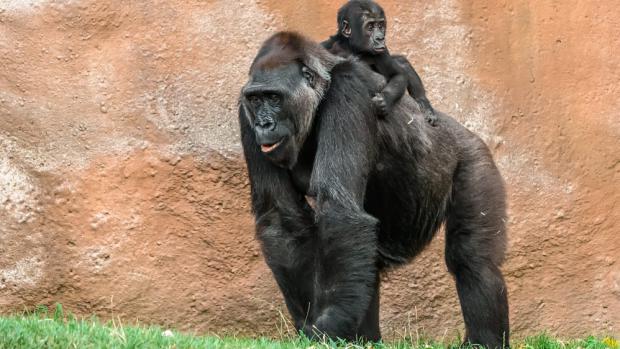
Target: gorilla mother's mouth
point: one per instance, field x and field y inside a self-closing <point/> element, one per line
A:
<point x="267" y="148"/>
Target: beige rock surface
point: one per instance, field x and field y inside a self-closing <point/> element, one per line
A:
<point x="123" y="191"/>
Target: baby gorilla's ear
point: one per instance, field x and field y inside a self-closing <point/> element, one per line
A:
<point x="346" y="29"/>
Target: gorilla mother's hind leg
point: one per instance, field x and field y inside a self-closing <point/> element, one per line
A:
<point x="475" y="246"/>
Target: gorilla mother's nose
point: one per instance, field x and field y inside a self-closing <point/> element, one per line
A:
<point x="267" y="124"/>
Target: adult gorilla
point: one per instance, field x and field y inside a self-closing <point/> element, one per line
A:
<point x="379" y="190"/>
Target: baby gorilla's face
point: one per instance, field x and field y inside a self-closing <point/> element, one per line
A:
<point x="373" y="29"/>
<point x="364" y="25"/>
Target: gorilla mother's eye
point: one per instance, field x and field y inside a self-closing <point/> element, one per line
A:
<point x="254" y="101"/>
<point x="273" y="98"/>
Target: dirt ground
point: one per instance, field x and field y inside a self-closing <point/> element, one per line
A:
<point x="123" y="192"/>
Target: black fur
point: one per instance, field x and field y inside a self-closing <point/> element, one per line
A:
<point x="381" y="191"/>
<point x="353" y="38"/>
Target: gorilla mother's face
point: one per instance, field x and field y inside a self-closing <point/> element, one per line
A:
<point x="280" y="103"/>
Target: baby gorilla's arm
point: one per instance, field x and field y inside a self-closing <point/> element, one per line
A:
<point x="385" y="100"/>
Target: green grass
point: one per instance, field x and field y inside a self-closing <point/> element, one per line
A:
<point x="41" y="329"/>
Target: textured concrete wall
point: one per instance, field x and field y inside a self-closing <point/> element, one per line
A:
<point x="123" y="191"/>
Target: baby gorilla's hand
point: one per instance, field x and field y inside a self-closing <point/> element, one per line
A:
<point x="430" y="117"/>
<point x="380" y="105"/>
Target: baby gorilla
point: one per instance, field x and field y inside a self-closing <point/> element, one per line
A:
<point x="361" y="31"/>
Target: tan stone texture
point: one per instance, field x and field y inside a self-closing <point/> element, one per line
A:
<point x="123" y="192"/>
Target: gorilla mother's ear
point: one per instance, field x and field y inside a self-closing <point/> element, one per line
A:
<point x="308" y="75"/>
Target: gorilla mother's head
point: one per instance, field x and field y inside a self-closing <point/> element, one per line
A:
<point x="288" y="79"/>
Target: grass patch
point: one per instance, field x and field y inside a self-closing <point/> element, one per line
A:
<point x="41" y="329"/>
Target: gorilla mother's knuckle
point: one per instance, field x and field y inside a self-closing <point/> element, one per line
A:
<point x="334" y="322"/>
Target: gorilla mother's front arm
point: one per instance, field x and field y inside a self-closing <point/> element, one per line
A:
<point x="325" y="261"/>
<point x="347" y="236"/>
<point x="282" y="225"/>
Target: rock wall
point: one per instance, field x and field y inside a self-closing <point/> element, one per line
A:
<point x="123" y="191"/>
